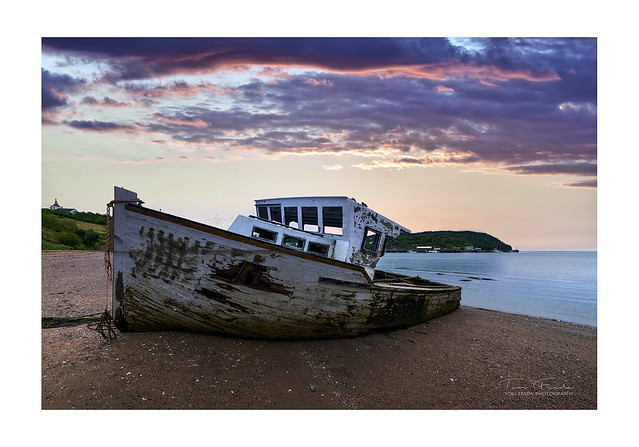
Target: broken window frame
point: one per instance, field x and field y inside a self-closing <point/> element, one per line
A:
<point x="288" y="238"/>
<point x="372" y="241"/>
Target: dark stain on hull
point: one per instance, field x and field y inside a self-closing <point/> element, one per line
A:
<point x="221" y="298"/>
<point x="166" y="257"/>
<point x="252" y="275"/>
<point x="118" y="319"/>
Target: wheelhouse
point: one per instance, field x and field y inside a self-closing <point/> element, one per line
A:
<point x="338" y="228"/>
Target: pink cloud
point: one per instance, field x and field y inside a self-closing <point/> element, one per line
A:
<point x="485" y="74"/>
<point x="443" y="88"/>
<point x="197" y="122"/>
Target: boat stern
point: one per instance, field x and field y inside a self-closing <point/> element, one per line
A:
<point x="121" y="197"/>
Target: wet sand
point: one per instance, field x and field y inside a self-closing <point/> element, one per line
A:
<point x="470" y="359"/>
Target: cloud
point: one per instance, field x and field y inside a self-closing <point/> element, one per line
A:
<point x="433" y="58"/>
<point x="175" y="89"/>
<point x="181" y="120"/>
<point x="528" y="106"/>
<point x="317" y="82"/>
<point x="56" y="89"/>
<point x="109" y="102"/>
<point x="335" y="167"/>
<point x="144" y="58"/>
<point x="56" y="86"/>
<point x="443" y="88"/>
<point x="562" y="168"/>
<point x="53" y="99"/>
<point x="153" y="159"/>
<point x="90" y="100"/>
<point x="437" y="157"/>
<point x="106" y="102"/>
<point x="388" y="116"/>
<point x="99" y="126"/>
<point x="582" y="184"/>
<point x="571" y="107"/>
<point x="592" y="183"/>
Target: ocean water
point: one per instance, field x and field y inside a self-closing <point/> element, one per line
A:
<point x="561" y="285"/>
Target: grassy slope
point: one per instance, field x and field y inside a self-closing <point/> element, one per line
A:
<point x="62" y="231"/>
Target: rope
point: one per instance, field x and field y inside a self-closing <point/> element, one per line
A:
<point x="105" y="325"/>
<point x="108" y="267"/>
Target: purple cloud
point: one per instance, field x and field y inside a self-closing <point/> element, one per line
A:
<point x="146" y="58"/>
<point x="55" y="85"/>
<point x="99" y="126"/>
<point x="528" y="106"/>
<point x="56" y="89"/>
<point x="583" y="184"/>
<point x="106" y="102"/>
<point x="562" y="168"/>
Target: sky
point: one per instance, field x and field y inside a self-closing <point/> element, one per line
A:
<point x="497" y="135"/>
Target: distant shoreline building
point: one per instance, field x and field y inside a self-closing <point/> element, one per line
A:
<point x="55" y="206"/>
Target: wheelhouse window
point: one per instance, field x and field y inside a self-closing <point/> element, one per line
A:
<point x="371" y="240"/>
<point x="318" y="249"/>
<point x="309" y="219"/>
<point x="290" y="217"/>
<point x="276" y="213"/>
<point x="266" y="235"/>
<point x="262" y="212"/>
<point x="293" y="242"/>
<point x="333" y="220"/>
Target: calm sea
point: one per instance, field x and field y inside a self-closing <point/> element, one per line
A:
<point x="561" y="285"/>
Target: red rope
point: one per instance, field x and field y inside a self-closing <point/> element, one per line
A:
<point x="108" y="267"/>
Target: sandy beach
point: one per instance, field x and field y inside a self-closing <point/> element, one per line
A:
<point x="470" y="359"/>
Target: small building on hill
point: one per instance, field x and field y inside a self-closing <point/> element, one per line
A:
<point x="55" y="206"/>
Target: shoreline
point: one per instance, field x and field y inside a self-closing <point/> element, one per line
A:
<point x="534" y="316"/>
<point x="471" y="359"/>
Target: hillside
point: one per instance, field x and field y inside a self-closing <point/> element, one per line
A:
<point x="447" y="241"/>
<point x="65" y="231"/>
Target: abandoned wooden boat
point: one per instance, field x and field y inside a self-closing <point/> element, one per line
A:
<point x="302" y="268"/>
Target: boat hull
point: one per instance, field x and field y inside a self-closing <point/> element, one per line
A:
<point x="174" y="274"/>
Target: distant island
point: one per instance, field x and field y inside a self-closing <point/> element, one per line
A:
<point x="447" y="242"/>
